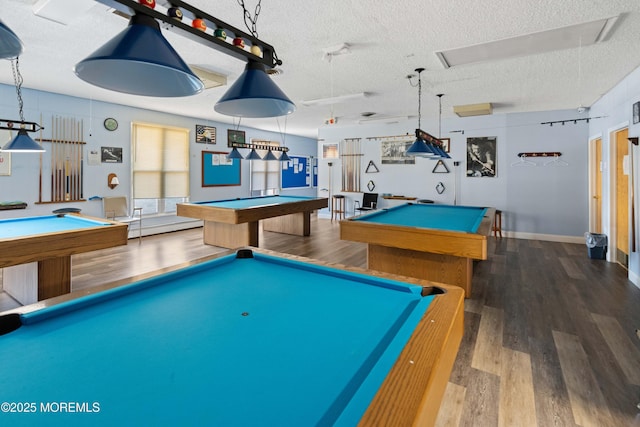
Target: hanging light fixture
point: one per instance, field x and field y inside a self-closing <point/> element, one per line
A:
<point x="253" y="155"/>
<point x="255" y="95"/>
<point x="22" y="143"/>
<point x="140" y="61"/>
<point x="285" y="157"/>
<point x="10" y="44"/>
<point x="235" y="154"/>
<point x="419" y="147"/>
<point x="270" y="156"/>
<point x="441" y="154"/>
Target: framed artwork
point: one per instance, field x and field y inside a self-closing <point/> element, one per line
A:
<point x="395" y="153"/>
<point x="235" y="136"/>
<point x="481" y="157"/>
<point x="5" y="163"/>
<point x="636" y="112"/>
<point x="446" y="144"/>
<point x="205" y="134"/>
<point x="111" y="154"/>
<point x="330" y="151"/>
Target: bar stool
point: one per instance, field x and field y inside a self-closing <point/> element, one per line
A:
<point x="337" y="207"/>
<point x="497" y="224"/>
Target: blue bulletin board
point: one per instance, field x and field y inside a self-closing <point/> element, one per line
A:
<point x="217" y="170"/>
<point x="296" y="173"/>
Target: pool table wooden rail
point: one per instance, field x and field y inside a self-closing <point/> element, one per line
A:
<point x="239" y="216"/>
<point x="22" y="250"/>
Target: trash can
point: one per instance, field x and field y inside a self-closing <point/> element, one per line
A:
<point x="596" y="245"/>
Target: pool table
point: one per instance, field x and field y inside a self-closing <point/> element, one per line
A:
<point x="233" y="223"/>
<point x="427" y="241"/>
<point x="35" y="252"/>
<point x="243" y="338"/>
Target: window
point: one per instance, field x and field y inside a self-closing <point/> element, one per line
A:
<point x="265" y="174"/>
<point x="160" y="167"/>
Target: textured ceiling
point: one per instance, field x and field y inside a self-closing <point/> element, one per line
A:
<point x="388" y="40"/>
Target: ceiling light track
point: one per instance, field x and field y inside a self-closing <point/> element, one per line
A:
<point x="575" y="121"/>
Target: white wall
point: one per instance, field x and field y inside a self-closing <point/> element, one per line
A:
<point x="23" y="183"/>
<point x="542" y="202"/>
<point x="616" y="108"/>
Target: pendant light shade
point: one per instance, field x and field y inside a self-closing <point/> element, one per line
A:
<point x="10" y="44"/>
<point x="420" y="148"/>
<point x="140" y="61"/>
<point x="270" y="156"/>
<point x="22" y="143"/>
<point x="235" y="154"/>
<point x="254" y="94"/>
<point x="285" y="157"/>
<point x="253" y="155"/>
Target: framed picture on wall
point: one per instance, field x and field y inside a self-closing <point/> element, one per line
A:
<point x="111" y="154"/>
<point x="636" y="112"/>
<point x="446" y="144"/>
<point x="481" y="157"/>
<point x="205" y="134"/>
<point x="237" y="136"/>
<point x="330" y="151"/>
<point x="395" y="153"/>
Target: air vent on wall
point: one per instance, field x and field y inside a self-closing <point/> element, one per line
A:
<point x="210" y="79"/>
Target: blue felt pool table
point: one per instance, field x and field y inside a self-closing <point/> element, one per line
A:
<point x="427" y="241"/>
<point x="233" y="223"/>
<point x="246" y="338"/>
<point x="35" y="252"/>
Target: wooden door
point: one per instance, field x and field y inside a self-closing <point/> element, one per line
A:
<point x="596" y="195"/>
<point x="622" y="197"/>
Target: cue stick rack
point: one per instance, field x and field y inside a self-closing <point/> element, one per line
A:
<point x="351" y="155"/>
<point x="538" y="154"/>
<point x="66" y="161"/>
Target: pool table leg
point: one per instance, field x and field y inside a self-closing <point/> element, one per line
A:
<point x="448" y="269"/>
<point x="231" y="236"/>
<point x="298" y="224"/>
<point x="36" y="281"/>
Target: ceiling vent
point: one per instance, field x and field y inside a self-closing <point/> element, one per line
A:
<point x="473" y="110"/>
<point x="209" y="78"/>
<point x="572" y="36"/>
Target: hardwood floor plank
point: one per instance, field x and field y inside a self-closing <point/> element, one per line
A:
<point x="451" y="410"/>
<point x="487" y="355"/>
<point x="517" y="402"/>
<point x="587" y="402"/>
<point x="481" y="401"/>
<point x="623" y="349"/>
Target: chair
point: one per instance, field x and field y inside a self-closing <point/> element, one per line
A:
<point x="116" y="209"/>
<point x="369" y="202"/>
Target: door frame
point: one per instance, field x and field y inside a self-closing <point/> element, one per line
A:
<point x="594" y="168"/>
<point x="611" y="206"/>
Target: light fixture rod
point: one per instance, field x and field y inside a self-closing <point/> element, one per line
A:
<point x="269" y="58"/>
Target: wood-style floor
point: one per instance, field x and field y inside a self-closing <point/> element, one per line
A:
<point x="549" y="333"/>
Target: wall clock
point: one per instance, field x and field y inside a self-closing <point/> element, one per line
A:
<point x="110" y="124"/>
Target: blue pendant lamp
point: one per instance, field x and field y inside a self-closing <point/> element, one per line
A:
<point x="253" y="155"/>
<point x="254" y="94"/>
<point x="270" y="156"/>
<point x="419" y="147"/>
<point x="235" y="154"/>
<point x="285" y="157"/>
<point x="10" y="44"/>
<point x="140" y="61"/>
<point x="22" y="143"/>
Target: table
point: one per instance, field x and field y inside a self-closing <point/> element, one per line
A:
<point x="433" y="242"/>
<point x="234" y="223"/>
<point x="36" y="251"/>
<point x="242" y="339"/>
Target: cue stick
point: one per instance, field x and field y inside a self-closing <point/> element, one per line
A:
<point x="40" y="177"/>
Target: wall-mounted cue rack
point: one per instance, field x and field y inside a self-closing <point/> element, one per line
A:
<point x="541" y="154"/>
<point x="66" y="161"/>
